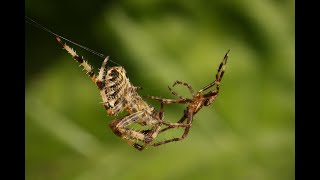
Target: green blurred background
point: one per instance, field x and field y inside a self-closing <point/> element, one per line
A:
<point x="247" y="133"/>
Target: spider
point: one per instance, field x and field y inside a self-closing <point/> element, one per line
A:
<point x="197" y="101"/>
<point x="118" y="94"/>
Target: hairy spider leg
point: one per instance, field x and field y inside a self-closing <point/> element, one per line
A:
<point x="118" y="126"/>
<point x="219" y="75"/>
<point x="171" y="101"/>
<point x="181" y="83"/>
<point x="185" y="84"/>
<point x="79" y="59"/>
<point x="190" y="112"/>
<point x="153" y="133"/>
<point x="87" y="67"/>
<point x="182" y="119"/>
<point x="188" y="116"/>
<point x="98" y="80"/>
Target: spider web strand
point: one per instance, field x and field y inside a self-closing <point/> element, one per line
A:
<point x="37" y="25"/>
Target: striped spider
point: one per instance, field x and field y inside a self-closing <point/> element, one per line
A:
<point x="197" y="101"/>
<point x="118" y="95"/>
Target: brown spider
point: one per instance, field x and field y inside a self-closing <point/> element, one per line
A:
<point x="195" y="104"/>
<point x="118" y="95"/>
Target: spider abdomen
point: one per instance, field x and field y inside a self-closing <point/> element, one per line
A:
<point x="121" y="94"/>
<point x="116" y="87"/>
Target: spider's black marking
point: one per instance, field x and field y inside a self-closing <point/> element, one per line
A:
<point x="114" y="94"/>
<point x="134" y="109"/>
<point x="91" y="73"/>
<point x="138" y="146"/>
<point x="78" y="58"/>
<point x="113" y="87"/>
<point x="146" y="131"/>
<point x="106" y="106"/>
<point x="135" y="101"/>
<point x="114" y="73"/>
<point x="116" y="132"/>
<point x="100" y="85"/>
<point x="124" y="101"/>
<point x="118" y="101"/>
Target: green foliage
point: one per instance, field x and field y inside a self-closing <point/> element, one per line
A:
<point x="247" y="133"/>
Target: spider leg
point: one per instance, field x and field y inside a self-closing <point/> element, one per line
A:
<point x="174" y="93"/>
<point x="222" y="67"/>
<point x="182" y="119"/>
<point x="169" y="124"/>
<point x="182" y="83"/>
<point x="170" y="101"/>
<point x="118" y="126"/>
<point x="157" y="128"/>
<point x="153" y="133"/>
<point x="102" y="71"/>
<point x="219" y="74"/>
<point x="184" y="135"/>
<point x="172" y="125"/>
<point x="87" y="67"/>
<point x="185" y="84"/>
<point x="100" y="81"/>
